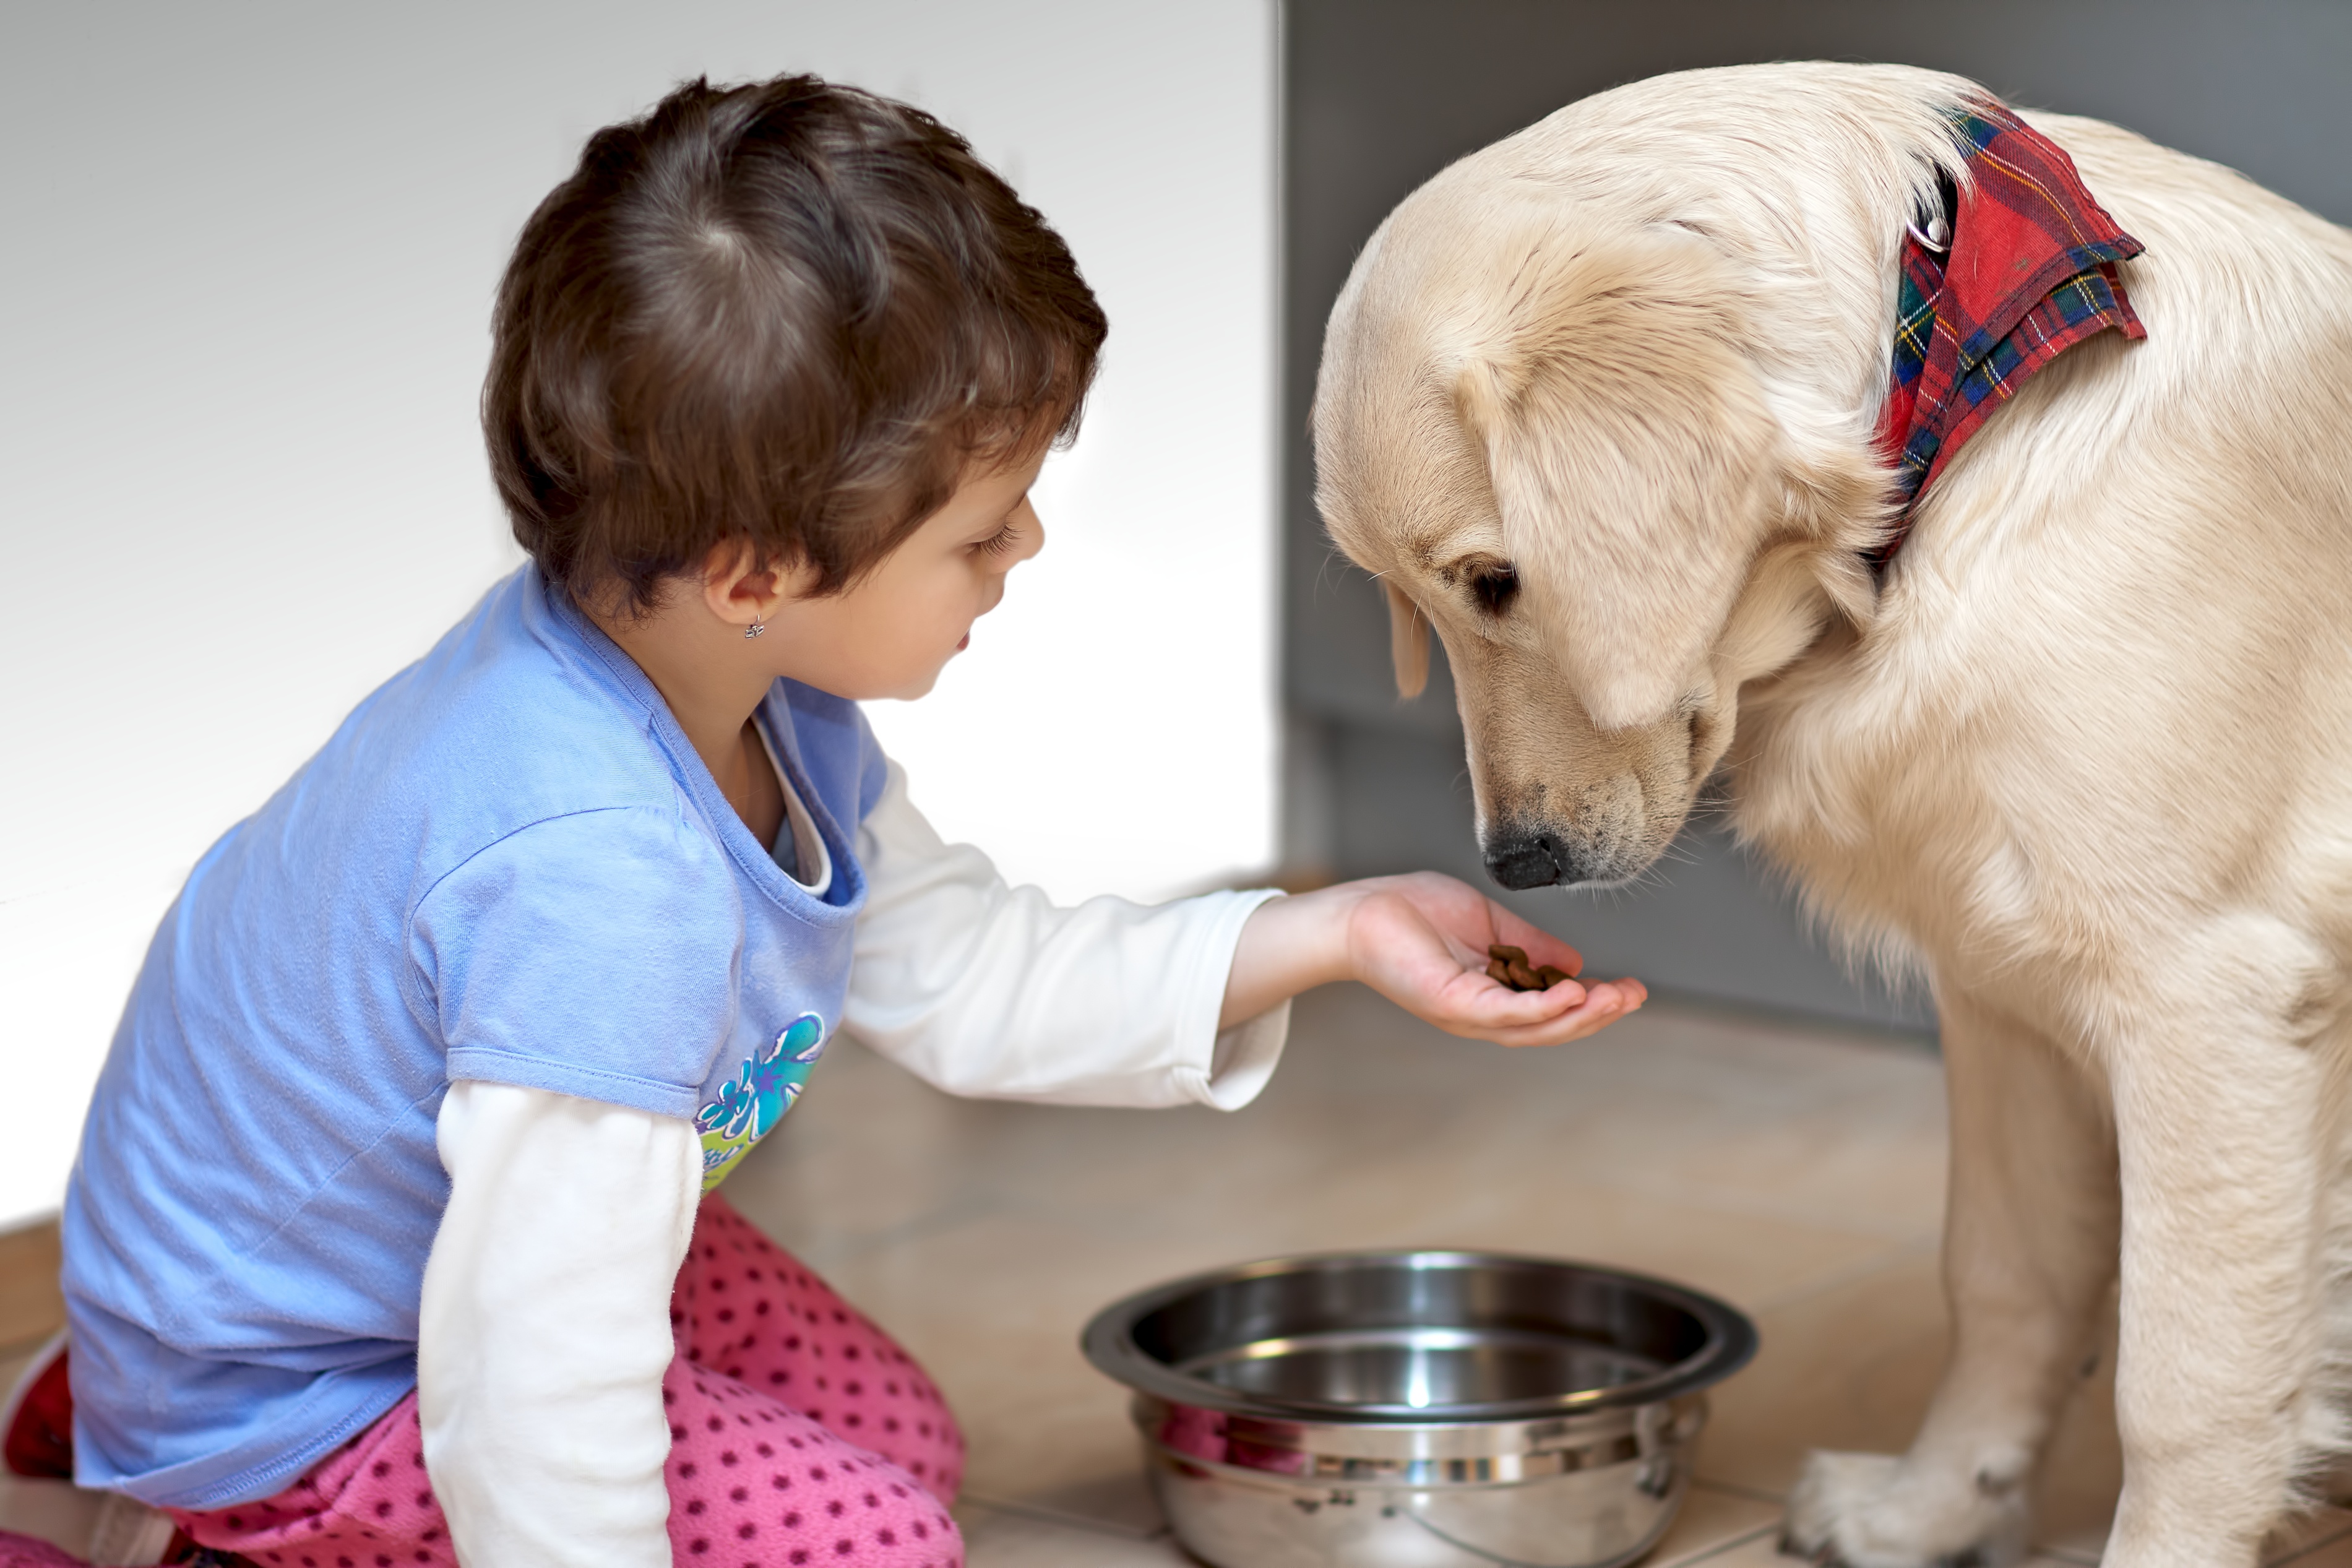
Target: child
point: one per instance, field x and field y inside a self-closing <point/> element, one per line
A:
<point x="393" y="1236"/>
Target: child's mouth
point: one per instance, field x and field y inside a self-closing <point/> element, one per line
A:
<point x="963" y="642"/>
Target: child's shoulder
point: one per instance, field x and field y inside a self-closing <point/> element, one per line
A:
<point x="512" y="719"/>
<point x="522" y="699"/>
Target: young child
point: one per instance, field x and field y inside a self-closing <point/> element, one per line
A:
<point x="394" y="1237"/>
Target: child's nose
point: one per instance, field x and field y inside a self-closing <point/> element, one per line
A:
<point x="1032" y="537"/>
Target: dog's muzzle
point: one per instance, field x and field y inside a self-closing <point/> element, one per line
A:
<point x="1522" y="859"/>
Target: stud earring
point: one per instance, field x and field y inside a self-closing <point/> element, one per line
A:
<point x="755" y="628"/>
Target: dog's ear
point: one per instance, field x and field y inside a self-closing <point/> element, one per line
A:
<point x="1408" y="642"/>
<point x="1630" y="453"/>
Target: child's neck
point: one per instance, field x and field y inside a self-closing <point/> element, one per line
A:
<point x="713" y="696"/>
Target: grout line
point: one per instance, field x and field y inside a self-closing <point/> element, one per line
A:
<point x="1743" y="1538"/>
<point x="2064" y="1555"/>
<point x="2308" y="1548"/>
<point x="1056" y="1516"/>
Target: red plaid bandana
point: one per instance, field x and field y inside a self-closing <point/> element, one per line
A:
<point x="2030" y="272"/>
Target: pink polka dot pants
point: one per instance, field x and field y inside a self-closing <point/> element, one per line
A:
<point x="746" y="1308"/>
<point x="801" y="1436"/>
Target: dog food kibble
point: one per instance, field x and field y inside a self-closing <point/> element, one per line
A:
<point x="1510" y="967"/>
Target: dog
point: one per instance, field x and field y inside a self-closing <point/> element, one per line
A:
<point x="1598" y="404"/>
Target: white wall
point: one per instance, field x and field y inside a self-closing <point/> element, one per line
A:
<point x="244" y="291"/>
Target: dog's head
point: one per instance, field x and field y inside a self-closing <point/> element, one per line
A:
<point x="1550" y="442"/>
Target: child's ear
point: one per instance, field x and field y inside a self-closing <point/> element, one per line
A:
<point x="739" y="591"/>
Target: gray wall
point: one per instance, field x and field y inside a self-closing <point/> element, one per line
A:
<point x="1381" y="94"/>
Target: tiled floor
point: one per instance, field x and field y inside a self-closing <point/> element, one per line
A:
<point x="1798" y="1172"/>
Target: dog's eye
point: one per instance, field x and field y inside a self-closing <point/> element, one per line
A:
<point x="1496" y="586"/>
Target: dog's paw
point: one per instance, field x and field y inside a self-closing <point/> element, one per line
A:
<point x="1872" y="1511"/>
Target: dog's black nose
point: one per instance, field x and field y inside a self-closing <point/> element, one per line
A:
<point x="1520" y="860"/>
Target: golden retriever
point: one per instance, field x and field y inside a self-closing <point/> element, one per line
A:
<point x="1596" y="404"/>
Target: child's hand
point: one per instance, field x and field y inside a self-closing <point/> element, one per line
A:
<point x="1420" y="941"/>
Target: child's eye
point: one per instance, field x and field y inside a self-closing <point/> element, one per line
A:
<point x="1003" y="541"/>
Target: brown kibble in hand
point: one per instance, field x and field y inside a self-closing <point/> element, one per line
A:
<point x="1508" y="966"/>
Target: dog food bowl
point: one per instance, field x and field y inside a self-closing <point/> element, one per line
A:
<point x="1418" y="1409"/>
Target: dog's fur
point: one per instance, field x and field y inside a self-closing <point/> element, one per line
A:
<point x="1596" y="405"/>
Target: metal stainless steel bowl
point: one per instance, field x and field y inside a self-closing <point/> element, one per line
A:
<point x="1418" y="1409"/>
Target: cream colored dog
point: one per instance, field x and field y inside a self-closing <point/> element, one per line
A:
<point x="1596" y="404"/>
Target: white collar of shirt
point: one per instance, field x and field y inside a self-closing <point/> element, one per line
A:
<point x="809" y="853"/>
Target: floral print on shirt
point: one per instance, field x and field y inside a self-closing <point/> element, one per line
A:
<point x="756" y="1099"/>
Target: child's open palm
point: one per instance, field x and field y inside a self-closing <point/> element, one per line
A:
<point x="1420" y="941"/>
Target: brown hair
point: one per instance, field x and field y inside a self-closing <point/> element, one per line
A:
<point x="788" y="313"/>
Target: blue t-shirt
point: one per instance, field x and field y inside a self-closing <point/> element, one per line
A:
<point x="508" y="864"/>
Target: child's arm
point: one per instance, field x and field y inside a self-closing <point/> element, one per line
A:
<point x="989" y="990"/>
<point x="1419" y="940"/>
<point x="544" y="1328"/>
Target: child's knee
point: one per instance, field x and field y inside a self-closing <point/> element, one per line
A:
<point x="790" y="1493"/>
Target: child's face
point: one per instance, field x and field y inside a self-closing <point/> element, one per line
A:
<point x="893" y="632"/>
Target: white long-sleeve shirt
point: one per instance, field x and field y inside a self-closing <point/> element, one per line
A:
<point x="544" y="1330"/>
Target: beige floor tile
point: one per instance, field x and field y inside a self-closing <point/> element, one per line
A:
<point x="2320" y="1540"/>
<point x="1852" y="1369"/>
<point x="1757" y="1547"/>
<point x="1763" y="1551"/>
<point x="1770" y="1166"/>
<point x="1045" y="1429"/>
<point x="870" y="1155"/>
<point x="1123" y="1508"/>
<point x="1110" y="1494"/>
<point x="985" y="1235"/>
<point x="54" y="1511"/>
<point x="1711" y="1521"/>
<point x="1002" y="1537"/>
<point x="2081" y="1552"/>
<point x="993" y="1306"/>
<point x="1753" y="1117"/>
<point x="1799" y="1174"/>
<point x="1683" y="1107"/>
<point x="31" y="1309"/>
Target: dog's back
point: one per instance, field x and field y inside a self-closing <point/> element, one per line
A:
<point x="2125" y="613"/>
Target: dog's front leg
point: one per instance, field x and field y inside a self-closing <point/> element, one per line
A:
<point x="2220" y="1139"/>
<point x="2030" y="1239"/>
